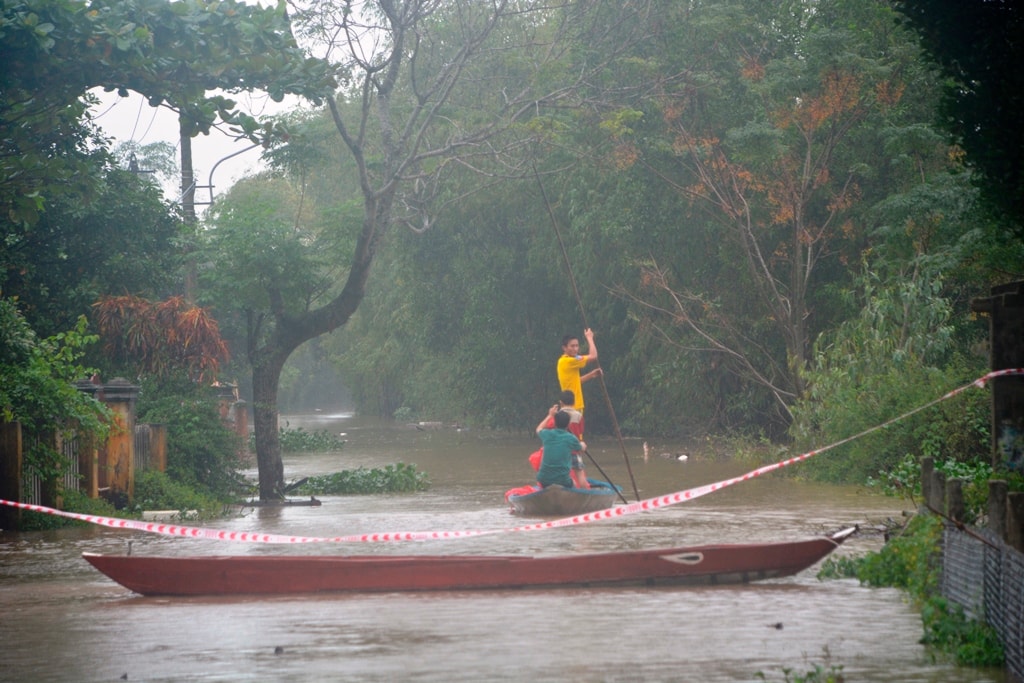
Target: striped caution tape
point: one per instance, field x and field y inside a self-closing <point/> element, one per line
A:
<point x="611" y="513"/>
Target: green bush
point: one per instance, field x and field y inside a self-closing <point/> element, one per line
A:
<point x="74" y="501"/>
<point x="156" y="491"/>
<point x="904" y="479"/>
<point x="37" y="389"/>
<point x="910" y="560"/>
<point x="870" y="379"/>
<point x="202" y="453"/>
<point x="968" y="641"/>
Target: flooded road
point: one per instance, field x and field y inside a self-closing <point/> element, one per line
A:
<point x="63" y="621"/>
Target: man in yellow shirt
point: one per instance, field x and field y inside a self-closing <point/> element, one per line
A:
<point x="572" y="362"/>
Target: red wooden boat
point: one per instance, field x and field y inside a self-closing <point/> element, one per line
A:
<point x="291" y="574"/>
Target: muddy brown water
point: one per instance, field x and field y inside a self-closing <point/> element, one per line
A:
<point x="63" y="621"/>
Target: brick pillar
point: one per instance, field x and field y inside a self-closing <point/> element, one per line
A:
<point x="117" y="457"/>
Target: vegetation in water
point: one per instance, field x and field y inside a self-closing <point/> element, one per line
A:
<point x="398" y="478"/>
<point x="299" y="440"/>
<point x="910" y="561"/>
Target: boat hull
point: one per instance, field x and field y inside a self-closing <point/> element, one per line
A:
<point x="556" y="501"/>
<point x="289" y="574"/>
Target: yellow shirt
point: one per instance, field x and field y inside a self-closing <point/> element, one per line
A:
<point x="569" y="377"/>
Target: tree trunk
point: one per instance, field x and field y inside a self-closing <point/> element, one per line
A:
<point x="266" y="376"/>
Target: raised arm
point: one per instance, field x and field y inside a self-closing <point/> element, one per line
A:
<point x="551" y="413"/>
<point x="591" y="346"/>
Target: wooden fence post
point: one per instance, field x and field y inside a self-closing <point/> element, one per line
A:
<point x="955" y="499"/>
<point x="1015" y="520"/>
<point x="997" y="489"/>
<point x="927" y="467"/>
<point x="937" y="489"/>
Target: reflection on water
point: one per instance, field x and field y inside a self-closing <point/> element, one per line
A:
<point x="65" y="622"/>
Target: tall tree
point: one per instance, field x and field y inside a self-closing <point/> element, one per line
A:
<point x="428" y="86"/>
<point x="55" y="51"/>
<point x="123" y="241"/>
<point x="775" y="141"/>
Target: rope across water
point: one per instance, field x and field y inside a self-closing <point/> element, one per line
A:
<point x="646" y="505"/>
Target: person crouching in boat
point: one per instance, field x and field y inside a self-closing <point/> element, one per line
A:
<point x="566" y="401"/>
<point x="559" y="444"/>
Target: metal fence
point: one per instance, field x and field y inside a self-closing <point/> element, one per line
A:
<point x="32" y="486"/>
<point x="986" y="577"/>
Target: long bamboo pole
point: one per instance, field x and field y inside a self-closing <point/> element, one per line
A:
<point x="583" y="316"/>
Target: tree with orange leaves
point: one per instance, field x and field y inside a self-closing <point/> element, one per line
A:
<point x="162" y="337"/>
<point x="775" y="136"/>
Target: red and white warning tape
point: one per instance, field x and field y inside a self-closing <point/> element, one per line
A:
<point x="615" y="512"/>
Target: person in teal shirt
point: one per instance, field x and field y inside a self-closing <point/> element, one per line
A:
<point x="559" y="444"/>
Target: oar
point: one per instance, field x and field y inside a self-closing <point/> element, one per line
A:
<point x="608" y="479"/>
<point x="583" y="315"/>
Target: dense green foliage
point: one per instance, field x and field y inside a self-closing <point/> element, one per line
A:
<point x="54" y="51"/>
<point x="37" y="388"/>
<point x="901" y="352"/>
<point x="977" y="43"/>
<point x="462" y="321"/>
<point x="160" y="491"/>
<point x="909" y="560"/>
<point x="904" y="480"/>
<point x="398" y="478"/>
<point x="124" y="239"/>
<point x="202" y="452"/>
<point x="74" y="501"/>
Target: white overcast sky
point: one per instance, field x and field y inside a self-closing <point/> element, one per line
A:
<point x="132" y="119"/>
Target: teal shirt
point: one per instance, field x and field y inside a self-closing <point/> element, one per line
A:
<point x="557" y="461"/>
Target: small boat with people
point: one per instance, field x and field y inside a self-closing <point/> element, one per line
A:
<point x="558" y="501"/>
<point x="221" y="575"/>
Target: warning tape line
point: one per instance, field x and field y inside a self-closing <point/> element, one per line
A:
<point x="610" y="513"/>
